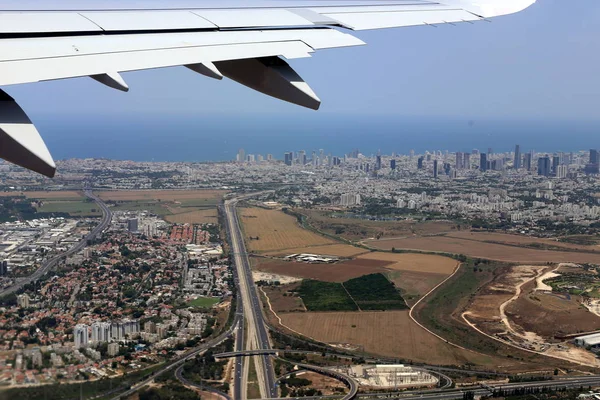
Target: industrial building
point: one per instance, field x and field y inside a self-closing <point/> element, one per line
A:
<point x="391" y="376"/>
<point x="592" y="341"/>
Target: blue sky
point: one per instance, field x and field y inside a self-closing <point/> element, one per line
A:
<point x="540" y="64"/>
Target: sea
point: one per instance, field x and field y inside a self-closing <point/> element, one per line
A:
<point x="204" y="138"/>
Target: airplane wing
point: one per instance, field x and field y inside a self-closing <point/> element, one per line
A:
<point x="246" y="41"/>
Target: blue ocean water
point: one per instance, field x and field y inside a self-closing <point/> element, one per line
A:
<point x="218" y="137"/>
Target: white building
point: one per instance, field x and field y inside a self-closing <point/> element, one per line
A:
<point x="101" y="332"/>
<point x="81" y="336"/>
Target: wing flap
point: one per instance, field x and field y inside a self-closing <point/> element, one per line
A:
<point x="45" y="22"/>
<point x="147" y="20"/>
<point x="380" y="20"/>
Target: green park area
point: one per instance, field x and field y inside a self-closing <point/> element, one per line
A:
<point x="204" y="302"/>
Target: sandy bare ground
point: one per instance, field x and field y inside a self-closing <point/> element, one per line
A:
<point x="515" y="335"/>
<point x="266" y="276"/>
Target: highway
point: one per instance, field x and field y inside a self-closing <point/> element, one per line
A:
<point x="256" y="335"/>
<point x="49" y="264"/>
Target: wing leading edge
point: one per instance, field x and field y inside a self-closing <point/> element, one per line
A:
<point x="245" y="42"/>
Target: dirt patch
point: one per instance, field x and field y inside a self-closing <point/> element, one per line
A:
<point x="338" y="250"/>
<point x="491" y="251"/>
<point x="284" y="298"/>
<point x="162" y="195"/>
<point x="357" y="229"/>
<point x="339" y="272"/>
<point x="519" y="240"/>
<point x="414" y="284"/>
<point x="272" y="230"/>
<point x="414" y="262"/>
<point x="551" y="315"/>
<point x="193" y="217"/>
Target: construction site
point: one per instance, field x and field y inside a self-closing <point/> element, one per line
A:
<point x="396" y="376"/>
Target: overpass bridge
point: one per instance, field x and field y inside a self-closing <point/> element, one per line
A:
<point x="246" y="353"/>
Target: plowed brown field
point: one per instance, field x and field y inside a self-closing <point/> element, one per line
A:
<point x="339" y="250"/>
<point x="276" y="231"/>
<point x="485" y="250"/>
<point x="390" y="333"/>
<point x="413" y="262"/>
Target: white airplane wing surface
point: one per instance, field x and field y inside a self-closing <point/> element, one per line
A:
<point x="247" y="41"/>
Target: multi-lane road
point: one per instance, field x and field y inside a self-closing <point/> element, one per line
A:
<point x="256" y="332"/>
<point x="52" y="262"/>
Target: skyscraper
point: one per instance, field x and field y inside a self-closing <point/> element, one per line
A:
<point x="544" y="166"/>
<point x="527" y="161"/>
<point x="393" y="164"/>
<point x="132" y="225"/>
<point x="435" y="169"/>
<point x="466" y="161"/>
<point x="483" y="162"/>
<point x="517" y="160"/>
<point x="594" y="165"/>
<point x="288" y="158"/>
<point x="378" y="162"/>
<point x="241" y="156"/>
<point x="460" y="159"/>
<point x="420" y="163"/>
<point x="555" y="164"/>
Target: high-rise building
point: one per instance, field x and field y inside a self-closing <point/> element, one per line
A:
<point x="269" y="157"/>
<point x="378" y="162"/>
<point x="466" y="161"/>
<point x="101" y="332"/>
<point x="113" y="349"/>
<point x="3" y="267"/>
<point x="132" y="225"/>
<point x="562" y="171"/>
<point x="527" y="161"/>
<point x="81" y="336"/>
<point x="435" y="169"/>
<point x="594" y="165"/>
<point x="483" y="162"/>
<point x="420" y="162"/>
<point x="460" y="159"/>
<point x="23" y="300"/>
<point x="288" y="158"/>
<point x="594" y="156"/>
<point x="555" y="163"/>
<point x="349" y="200"/>
<point x="517" y="160"/>
<point x="544" y="166"/>
<point x="241" y="155"/>
<point x="393" y="164"/>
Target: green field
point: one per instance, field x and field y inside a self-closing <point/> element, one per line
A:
<point x="73" y="208"/>
<point x="153" y="207"/>
<point x="375" y="292"/>
<point x="204" y="302"/>
<point x="325" y="296"/>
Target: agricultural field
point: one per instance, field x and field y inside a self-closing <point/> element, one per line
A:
<point x="67" y="195"/>
<point x="176" y="206"/>
<point x="390" y="333"/>
<point x="413" y="262"/>
<point x="338" y="250"/>
<point x="492" y="251"/>
<point x="414" y="285"/>
<point x="567" y="243"/>
<point x="272" y="230"/>
<point x="369" y="292"/>
<point x="75" y="208"/>
<point x="359" y="229"/>
<point x="208" y="216"/>
<point x="325" y="296"/>
<point x="339" y="272"/>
